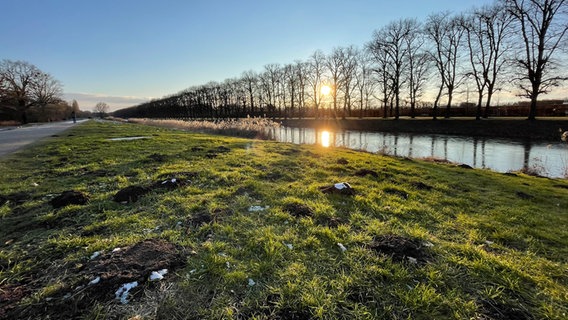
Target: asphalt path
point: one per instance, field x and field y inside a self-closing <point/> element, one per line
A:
<point x="15" y="138"/>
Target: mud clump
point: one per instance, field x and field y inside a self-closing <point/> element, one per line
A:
<point x="134" y="263"/>
<point x="400" y="193"/>
<point x="98" y="281"/>
<point x="366" y="172"/>
<point x="68" y="198"/>
<point x="17" y="198"/>
<point x="342" y="161"/>
<point x="130" y="194"/>
<point x="10" y="295"/>
<point x="298" y="210"/>
<point x="400" y="248"/>
<point x="421" y="186"/>
<point x="200" y="219"/>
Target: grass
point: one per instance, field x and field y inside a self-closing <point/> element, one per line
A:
<point x="487" y="245"/>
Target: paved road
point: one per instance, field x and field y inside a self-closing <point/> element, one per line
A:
<point x="14" y="139"/>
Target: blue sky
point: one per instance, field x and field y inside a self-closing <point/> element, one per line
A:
<point x="123" y="52"/>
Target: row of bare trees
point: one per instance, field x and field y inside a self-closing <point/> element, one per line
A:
<point x="510" y="44"/>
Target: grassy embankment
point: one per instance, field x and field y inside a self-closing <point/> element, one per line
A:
<point x="423" y="240"/>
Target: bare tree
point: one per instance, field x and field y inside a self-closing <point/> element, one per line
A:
<point x="302" y="72"/>
<point x="250" y="79"/>
<point x="487" y="30"/>
<point x="333" y="65"/>
<point x="23" y="85"/>
<point x="364" y="83"/>
<point x="348" y="68"/>
<point x="315" y="78"/>
<point x="384" y="72"/>
<point x="445" y="33"/>
<point x="392" y="41"/>
<point x="101" y="108"/>
<point x="542" y="26"/>
<point x="418" y="63"/>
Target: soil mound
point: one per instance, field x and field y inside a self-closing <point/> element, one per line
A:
<point x="130" y="194"/>
<point x="400" y="248"/>
<point x="68" y="198"/>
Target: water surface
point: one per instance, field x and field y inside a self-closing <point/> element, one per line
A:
<point x="547" y="159"/>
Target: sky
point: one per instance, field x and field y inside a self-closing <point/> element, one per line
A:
<point x="125" y="52"/>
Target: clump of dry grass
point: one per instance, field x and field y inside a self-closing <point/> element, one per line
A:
<point x="258" y="128"/>
<point x="9" y="123"/>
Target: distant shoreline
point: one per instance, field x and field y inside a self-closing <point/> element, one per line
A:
<point x="518" y="128"/>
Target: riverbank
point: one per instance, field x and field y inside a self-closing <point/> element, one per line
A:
<point x="509" y="128"/>
<point x="166" y="224"/>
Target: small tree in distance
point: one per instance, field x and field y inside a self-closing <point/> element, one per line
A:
<point x="101" y="109"/>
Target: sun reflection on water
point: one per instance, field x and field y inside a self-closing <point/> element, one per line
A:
<point x="325" y="139"/>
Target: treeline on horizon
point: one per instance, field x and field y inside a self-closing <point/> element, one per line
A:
<point x="510" y="44"/>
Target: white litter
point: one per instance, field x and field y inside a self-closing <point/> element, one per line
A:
<point x="228" y="265"/>
<point x="158" y="275"/>
<point x="35" y="184"/>
<point x="289" y="245"/>
<point x="95" y="254"/>
<point x="342" y="185"/>
<point x="342" y="247"/>
<point x="257" y="208"/>
<point x="489" y="242"/>
<point x="412" y="260"/>
<point x="95" y="281"/>
<point x="115" y="250"/>
<point x="427" y="244"/>
<point x="251" y="282"/>
<point x="122" y="292"/>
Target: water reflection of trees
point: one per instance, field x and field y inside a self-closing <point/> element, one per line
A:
<point x="502" y="156"/>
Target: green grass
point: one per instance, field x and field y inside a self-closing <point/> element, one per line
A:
<point x="490" y="253"/>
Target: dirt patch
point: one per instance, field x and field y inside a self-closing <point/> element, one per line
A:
<point x="200" y="218"/>
<point x="342" y="161"/>
<point x="101" y="277"/>
<point x="130" y="194"/>
<point x="10" y="295"/>
<point x="524" y="196"/>
<point x="421" y="186"/>
<point x="157" y="157"/>
<point x="17" y="198"/>
<point x="213" y="153"/>
<point x="332" y="222"/>
<point x="561" y="186"/>
<point x="68" y="198"/>
<point x="400" y="248"/>
<point x="298" y="210"/>
<point x="396" y="192"/>
<point x="366" y="172"/>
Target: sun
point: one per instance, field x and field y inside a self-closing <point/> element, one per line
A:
<point x="325" y="90"/>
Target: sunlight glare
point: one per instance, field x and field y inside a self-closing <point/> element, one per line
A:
<point x="325" y="90"/>
<point x="325" y="139"/>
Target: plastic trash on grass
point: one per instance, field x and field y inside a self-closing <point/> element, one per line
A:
<point x="122" y="292"/>
<point x="158" y="275"/>
<point x="343" y="188"/>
